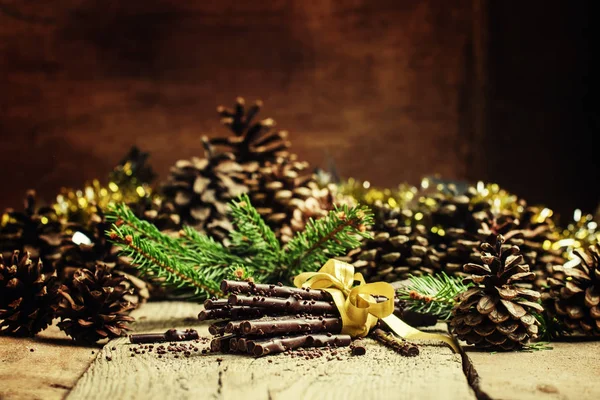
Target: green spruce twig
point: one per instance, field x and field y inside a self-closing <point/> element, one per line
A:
<point x="434" y="294"/>
<point x="195" y="264"/>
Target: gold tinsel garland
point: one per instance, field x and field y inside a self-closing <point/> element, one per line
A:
<point x="364" y="193"/>
<point x="79" y="205"/>
<point x="581" y="233"/>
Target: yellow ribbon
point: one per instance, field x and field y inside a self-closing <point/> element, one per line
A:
<point x="358" y="307"/>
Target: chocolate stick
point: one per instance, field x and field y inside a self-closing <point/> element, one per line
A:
<point x="242" y="347"/>
<point x="220" y="343"/>
<point x="172" y="335"/>
<point x="322" y="340"/>
<point x="233" y="326"/>
<point x="212" y="304"/>
<point x="218" y="328"/>
<point x="233" y="345"/>
<point x="358" y="348"/>
<point x="235" y="287"/>
<point x="289" y="304"/>
<point x="234" y="313"/>
<point x="277" y="345"/>
<point x="291" y="325"/>
<point x="407" y="349"/>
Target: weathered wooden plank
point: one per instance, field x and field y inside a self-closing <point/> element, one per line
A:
<point x="47" y="372"/>
<point x="380" y="374"/>
<point x="568" y="371"/>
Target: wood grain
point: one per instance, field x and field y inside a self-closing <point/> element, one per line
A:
<point x="45" y="367"/>
<point x="567" y="372"/>
<point x="380" y="374"/>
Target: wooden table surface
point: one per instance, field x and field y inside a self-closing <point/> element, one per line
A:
<point x="57" y="369"/>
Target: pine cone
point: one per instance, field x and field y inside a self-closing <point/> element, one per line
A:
<point x="252" y="141"/>
<point x="158" y="212"/>
<point x="93" y="306"/>
<point x="396" y="251"/>
<point x="460" y="222"/>
<point x="28" y="293"/>
<point x="574" y="294"/>
<point x="199" y="190"/>
<point x="497" y="313"/>
<point x="34" y="230"/>
<point x="88" y="246"/>
<point x="286" y="196"/>
<point x="256" y="161"/>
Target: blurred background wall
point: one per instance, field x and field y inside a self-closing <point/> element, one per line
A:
<point x="387" y="90"/>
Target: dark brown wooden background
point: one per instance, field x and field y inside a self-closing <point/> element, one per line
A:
<point x="387" y="90"/>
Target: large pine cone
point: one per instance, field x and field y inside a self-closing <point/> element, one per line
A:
<point x="199" y="190"/>
<point x="574" y="294"/>
<point x="93" y="306"/>
<point x="497" y="313"/>
<point x="28" y="293"/>
<point x="253" y="160"/>
<point x="396" y="251"/>
<point x="37" y="230"/>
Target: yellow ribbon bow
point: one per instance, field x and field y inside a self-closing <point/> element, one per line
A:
<point x="358" y="305"/>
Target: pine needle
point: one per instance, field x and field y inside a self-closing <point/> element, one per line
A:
<point x="434" y="294"/>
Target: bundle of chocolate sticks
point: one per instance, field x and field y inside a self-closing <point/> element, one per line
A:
<point x="261" y="319"/>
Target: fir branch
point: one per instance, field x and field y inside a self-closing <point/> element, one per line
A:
<point x="325" y="238"/>
<point x="252" y="234"/>
<point x="434" y="294"/>
<point x="151" y="261"/>
<point x="197" y="263"/>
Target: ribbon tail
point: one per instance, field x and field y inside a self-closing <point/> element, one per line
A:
<point x="406" y="331"/>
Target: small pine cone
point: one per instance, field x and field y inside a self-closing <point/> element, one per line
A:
<point x="28" y="294"/>
<point x="93" y="306"/>
<point x="574" y="294"/>
<point x="88" y="246"/>
<point x="497" y="313"/>
<point x="396" y="251"/>
<point x="37" y="230"/>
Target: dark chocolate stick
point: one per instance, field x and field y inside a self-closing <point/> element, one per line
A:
<point x="234" y="287"/>
<point x="289" y="304"/>
<point x="221" y="343"/>
<point x="291" y="325"/>
<point x="404" y="348"/>
<point x="322" y="340"/>
<point x="242" y="347"/>
<point x="233" y="345"/>
<point x="212" y="304"/>
<point x="218" y="328"/>
<point x="234" y="313"/>
<point x="358" y="348"/>
<point x="278" y="345"/>
<point x="233" y="326"/>
<point x="172" y="335"/>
